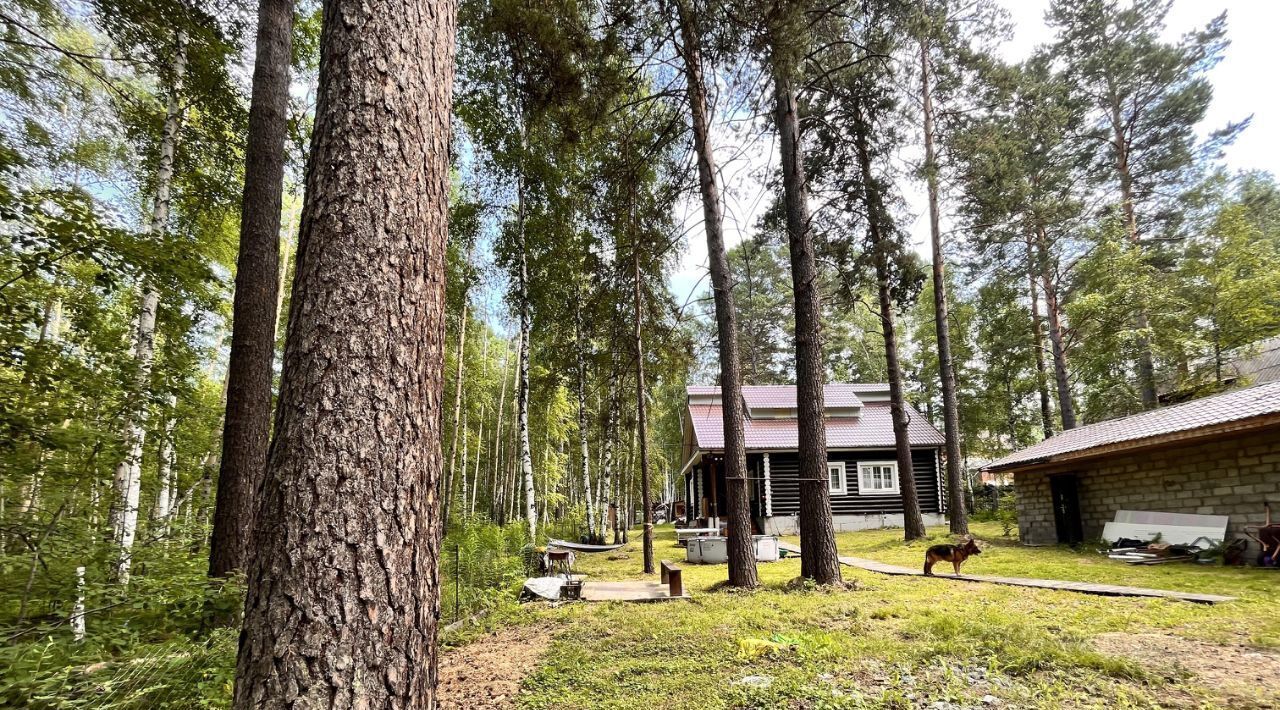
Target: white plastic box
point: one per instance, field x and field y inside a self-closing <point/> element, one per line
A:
<point x="715" y="550"/>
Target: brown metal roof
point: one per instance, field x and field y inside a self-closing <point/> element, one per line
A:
<point x="1234" y="406"/>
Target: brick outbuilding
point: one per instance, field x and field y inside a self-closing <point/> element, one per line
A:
<point x="1214" y="456"/>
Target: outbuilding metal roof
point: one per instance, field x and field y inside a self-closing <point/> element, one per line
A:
<point x="871" y="428"/>
<point x="1224" y="408"/>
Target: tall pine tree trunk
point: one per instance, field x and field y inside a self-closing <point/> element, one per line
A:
<point x="246" y="429"/>
<point x="127" y="481"/>
<point x="818" y="557"/>
<point x="946" y="367"/>
<point x="1037" y="335"/>
<point x="343" y="592"/>
<point x="1056" y="336"/>
<point x="742" y="559"/>
<point x="1146" y="365"/>
<point x="642" y="418"/>
<point x="912" y="522"/>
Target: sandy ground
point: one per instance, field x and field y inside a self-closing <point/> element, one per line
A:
<point x="1248" y="677"/>
<point x="487" y="672"/>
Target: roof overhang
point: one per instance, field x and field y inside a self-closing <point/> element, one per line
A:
<point x="1177" y="438"/>
<point x="694" y="459"/>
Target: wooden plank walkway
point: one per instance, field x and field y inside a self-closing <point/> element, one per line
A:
<point x="1110" y="590"/>
<point x="627" y="592"/>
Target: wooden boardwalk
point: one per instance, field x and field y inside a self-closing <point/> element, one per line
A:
<point x="1110" y="590"/>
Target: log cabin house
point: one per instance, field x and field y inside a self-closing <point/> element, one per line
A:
<point x="862" y="467"/>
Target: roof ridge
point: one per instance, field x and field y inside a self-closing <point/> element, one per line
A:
<point x="1164" y="410"/>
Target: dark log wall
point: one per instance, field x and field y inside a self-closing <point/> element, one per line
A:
<point x="785" y="483"/>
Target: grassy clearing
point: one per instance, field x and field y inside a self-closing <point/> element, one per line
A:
<point x="1252" y="620"/>
<point x="894" y="642"/>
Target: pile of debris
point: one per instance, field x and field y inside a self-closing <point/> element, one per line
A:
<point x="1153" y="538"/>
<point x="1136" y="552"/>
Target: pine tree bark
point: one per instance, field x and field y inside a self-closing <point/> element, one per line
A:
<point x="1120" y="145"/>
<point x="946" y="367"/>
<point x="818" y="557"/>
<point x="343" y="590"/>
<point x="127" y="481"/>
<point x="1037" y="335"/>
<point x="246" y="428"/>
<point x="642" y="418"/>
<point x="742" y="559"/>
<point x="913" y="523"/>
<point x="1056" y="336"/>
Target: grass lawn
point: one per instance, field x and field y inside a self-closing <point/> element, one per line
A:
<point x="903" y="642"/>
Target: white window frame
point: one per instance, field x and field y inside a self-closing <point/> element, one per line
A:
<point x="863" y="489"/>
<point x="844" y="478"/>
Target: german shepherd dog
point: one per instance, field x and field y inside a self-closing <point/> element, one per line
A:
<point x="955" y="554"/>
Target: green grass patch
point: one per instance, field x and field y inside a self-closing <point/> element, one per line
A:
<point x="891" y="641"/>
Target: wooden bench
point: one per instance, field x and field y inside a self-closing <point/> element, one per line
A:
<point x="671" y="578"/>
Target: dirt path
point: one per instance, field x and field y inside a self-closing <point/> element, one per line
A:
<point x="1245" y="676"/>
<point x="487" y="672"/>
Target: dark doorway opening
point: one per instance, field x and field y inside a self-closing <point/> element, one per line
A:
<point x="1065" y="491"/>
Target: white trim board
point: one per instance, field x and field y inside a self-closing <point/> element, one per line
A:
<point x="1151" y="517"/>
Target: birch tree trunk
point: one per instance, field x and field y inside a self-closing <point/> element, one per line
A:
<point x="582" y="427"/>
<point x="742" y="559"/>
<point x="818" y="557"/>
<point x="466" y="441"/>
<point x="343" y="591"/>
<point x="165" y="474"/>
<point x="475" y="468"/>
<point x="127" y="480"/>
<point x="607" y="500"/>
<point x="77" y="611"/>
<point x="246" y="429"/>
<point x="946" y="367"/>
<point x="457" y="406"/>
<point x="522" y="399"/>
<point x="499" y="476"/>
